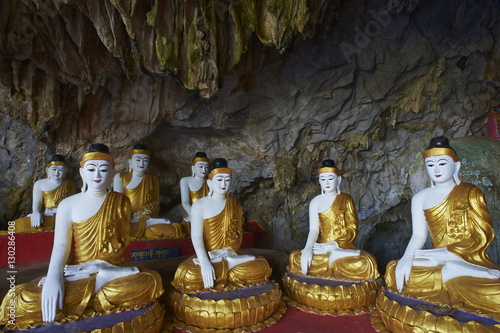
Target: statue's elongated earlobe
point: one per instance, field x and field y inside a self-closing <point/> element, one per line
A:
<point x="458" y="165"/>
<point x="209" y="183"/>
<point x="84" y="186"/>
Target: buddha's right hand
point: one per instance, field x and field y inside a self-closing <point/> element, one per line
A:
<point x="36" y="219"/>
<point x="208" y="273"/>
<point x="52" y="298"/>
<point x="306" y="259"/>
<point x="403" y="270"/>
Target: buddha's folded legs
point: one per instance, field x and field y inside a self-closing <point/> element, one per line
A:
<point x="476" y="293"/>
<point x="188" y="276"/>
<point x="353" y="268"/>
<point x="423" y="281"/>
<point x="249" y="273"/>
<point x="23" y="224"/>
<point x="135" y="290"/>
<point x="480" y="295"/>
<point x="164" y="230"/>
<point x="128" y="292"/>
<point x="27" y="300"/>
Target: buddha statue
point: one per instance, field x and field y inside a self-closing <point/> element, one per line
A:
<point x="144" y="193"/>
<point x="220" y="270"/>
<point x="98" y="281"/>
<point x="47" y="194"/>
<point x="330" y="273"/>
<point x="455" y="282"/>
<point x="194" y="187"/>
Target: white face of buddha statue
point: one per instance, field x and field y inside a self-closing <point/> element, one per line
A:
<point x="56" y="172"/>
<point x="97" y="174"/>
<point x="220" y="183"/>
<point x="329" y="182"/>
<point x="139" y="163"/>
<point x="441" y="168"/>
<point x="200" y="169"/>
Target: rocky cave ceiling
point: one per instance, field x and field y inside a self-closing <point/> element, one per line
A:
<point x="274" y="86"/>
<point x="198" y="42"/>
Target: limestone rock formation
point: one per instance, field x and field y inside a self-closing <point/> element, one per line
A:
<point x="274" y="87"/>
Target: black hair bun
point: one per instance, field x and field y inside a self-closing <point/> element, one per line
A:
<point x="328" y="164"/>
<point x="99" y="147"/>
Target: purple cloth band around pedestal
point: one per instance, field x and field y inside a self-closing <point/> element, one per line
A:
<point x="236" y="293"/>
<point x="323" y="282"/>
<point x="438" y="311"/>
<point x="88" y="324"/>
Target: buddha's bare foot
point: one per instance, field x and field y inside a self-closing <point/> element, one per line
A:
<point x="455" y="269"/>
<point x="495" y="274"/>
<point x="236" y="260"/>
<point x="153" y="221"/>
<point x="81" y="271"/>
<point x="108" y="274"/>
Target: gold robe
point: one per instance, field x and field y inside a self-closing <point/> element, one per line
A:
<point x="339" y="223"/>
<point x="223" y="231"/>
<point x="461" y="222"/>
<point x="202" y="192"/>
<point x="193" y="196"/>
<point x="104" y="236"/>
<point x="51" y="199"/>
<point x="145" y="197"/>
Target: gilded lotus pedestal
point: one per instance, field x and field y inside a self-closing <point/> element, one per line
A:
<point x="404" y="314"/>
<point x="320" y="295"/>
<point x="244" y="309"/>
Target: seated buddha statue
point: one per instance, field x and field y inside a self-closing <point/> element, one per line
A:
<point x="194" y="187"/>
<point x="144" y="193"/>
<point x="220" y="270"/>
<point x="456" y="276"/>
<point x="98" y="280"/>
<point x="330" y="258"/>
<point x="47" y="194"/>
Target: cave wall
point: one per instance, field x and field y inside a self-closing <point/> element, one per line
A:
<point x="366" y="83"/>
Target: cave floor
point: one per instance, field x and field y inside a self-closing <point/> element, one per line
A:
<point x="293" y="321"/>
